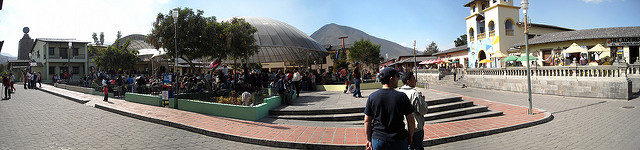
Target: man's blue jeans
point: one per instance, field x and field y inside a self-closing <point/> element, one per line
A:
<point x="389" y="145"/>
<point x="416" y="143"/>
<point x="357" y="91"/>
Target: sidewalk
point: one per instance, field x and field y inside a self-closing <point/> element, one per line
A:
<point x="292" y="136"/>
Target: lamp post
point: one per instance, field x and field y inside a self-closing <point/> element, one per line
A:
<point x="69" y="63"/>
<point x="525" y="6"/>
<point x="175" y="39"/>
<point x="415" y="63"/>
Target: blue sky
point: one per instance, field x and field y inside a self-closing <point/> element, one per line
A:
<point x="400" y="21"/>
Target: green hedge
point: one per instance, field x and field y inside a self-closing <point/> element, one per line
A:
<point x="251" y="113"/>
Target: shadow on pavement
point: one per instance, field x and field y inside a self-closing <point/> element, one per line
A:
<point x="601" y="102"/>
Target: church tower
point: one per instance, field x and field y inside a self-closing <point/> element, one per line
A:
<point x="491" y="27"/>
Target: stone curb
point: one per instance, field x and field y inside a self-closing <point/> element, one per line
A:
<point x="281" y="144"/>
<point x="548" y="117"/>
<point x="64" y="96"/>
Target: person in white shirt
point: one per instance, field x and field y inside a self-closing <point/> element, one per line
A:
<point x="296" y="81"/>
<point x="419" y="107"/>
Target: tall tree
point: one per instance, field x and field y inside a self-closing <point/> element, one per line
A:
<point x="119" y="35"/>
<point x="462" y="40"/>
<point x="365" y="52"/>
<point x="431" y="49"/>
<point x="198" y="36"/>
<point x="238" y="38"/>
<point x="95" y="38"/>
<point x="115" y="57"/>
<point x="101" y="38"/>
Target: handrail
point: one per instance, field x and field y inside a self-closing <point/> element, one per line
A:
<point x="558" y="71"/>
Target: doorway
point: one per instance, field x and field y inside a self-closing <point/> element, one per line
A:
<point x="633" y="54"/>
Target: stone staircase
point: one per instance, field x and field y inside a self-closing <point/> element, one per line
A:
<point x="439" y="110"/>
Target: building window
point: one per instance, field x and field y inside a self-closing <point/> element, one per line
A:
<point x="75" y="52"/>
<point x="492" y="31"/>
<point x="52" y="51"/>
<point x="38" y="53"/>
<point x="76" y="70"/>
<point x="52" y="70"/>
<point x="471" y="37"/>
<point x="484" y="6"/>
<point x="63" y="53"/>
<point x="473" y="8"/>
<point x="508" y="25"/>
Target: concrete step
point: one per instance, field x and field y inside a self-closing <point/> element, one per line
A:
<point x="323" y="117"/>
<point x="449" y="106"/>
<point x="443" y="101"/>
<point x="279" y="111"/>
<point x="490" y="113"/>
<point x="455" y="112"/>
<point x="345" y="124"/>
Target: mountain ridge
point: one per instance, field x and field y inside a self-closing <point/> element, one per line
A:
<point x="329" y="34"/>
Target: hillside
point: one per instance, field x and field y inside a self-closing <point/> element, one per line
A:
<point x="329" y="34"/>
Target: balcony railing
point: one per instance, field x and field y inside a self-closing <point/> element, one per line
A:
<point x="471" y="38"/>
<point x="557" y="71"/>
<point x="509" y="32"/>
<point x="492" y="33"/>
<point x="481" y="36"/>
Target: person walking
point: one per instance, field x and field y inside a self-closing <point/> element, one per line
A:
<point x="453" y="71"/>
<point x="385" y="112"/>
<point x="420" y="109"/>
<point x="296" y="81"/>
<point x="357" y="80"/>
<point x="105" y="89"/>
<point x="12" y="80"/>
<point x="39" y="79"/>
<point x="7" y="87"/>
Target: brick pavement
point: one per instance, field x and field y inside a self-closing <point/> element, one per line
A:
<point x="579" y="123"/>
<point x="293" y="136"/>
<point x="34" y="119"/>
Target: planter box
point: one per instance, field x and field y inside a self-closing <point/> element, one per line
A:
<point x="251" y="113"/>
<point x="153" y="100"/>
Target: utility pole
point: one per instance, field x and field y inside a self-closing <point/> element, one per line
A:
<point x="415" y="64"/>
<point x="525" y="7"/>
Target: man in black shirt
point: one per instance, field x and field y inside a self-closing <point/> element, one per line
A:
<point x="385" y="112"/>
<point x="357" y="80"/>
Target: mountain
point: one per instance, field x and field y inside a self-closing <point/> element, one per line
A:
<point x="4" y="57"/>
<point x="329" y="34"/>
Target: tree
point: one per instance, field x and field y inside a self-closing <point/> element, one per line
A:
<point x="115" y="57"/>
<point x="95" y="38"/>
<point x="462" y="40"/>
<point x="119" y="35"/>
<point x="198" y="36"/>
<point x="238" y="38"/>
<point x="101" y="38"/>
<point x="431" y="49"/>
<point x="365" y="52"/>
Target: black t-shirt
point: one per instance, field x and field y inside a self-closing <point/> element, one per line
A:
<point x="388" y="107"/>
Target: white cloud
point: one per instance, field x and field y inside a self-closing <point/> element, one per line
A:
<point x="75" y="19"/>
<point x="594" y="1"/>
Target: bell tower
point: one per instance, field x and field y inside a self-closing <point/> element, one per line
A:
<point x="491" y="28"/>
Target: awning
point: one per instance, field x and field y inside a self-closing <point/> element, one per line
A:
<point x="511" y="58"/>
<point x="485" y="61"/>
<point x="574" y="48"/>
<point x="524" y="58"/>
<point x="498" y="54"/>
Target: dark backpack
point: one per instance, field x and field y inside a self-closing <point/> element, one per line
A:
<point x="280" y="86"/>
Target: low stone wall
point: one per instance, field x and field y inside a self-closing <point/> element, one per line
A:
<point x="251" y="113"/>
<point x="76" y="88"/>
<point x="614" y="87"/>
<point x="427" y="77"/>
<point x="341" y="87"/>
<point x="635" y="82"/>
<point x="153" y="100"/>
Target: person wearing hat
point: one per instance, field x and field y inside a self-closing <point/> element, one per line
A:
<point x="385" y="112"/>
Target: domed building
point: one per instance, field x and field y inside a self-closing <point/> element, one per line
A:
<point x="281" y="45"/>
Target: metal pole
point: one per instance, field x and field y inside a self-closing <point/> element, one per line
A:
<point x="415" y="64"/>
<point x="526" y="41"/>
<point x="175" y="39"/>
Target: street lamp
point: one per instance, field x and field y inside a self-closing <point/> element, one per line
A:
<point x="525" y="6"/>
<point x="175" y="14"/>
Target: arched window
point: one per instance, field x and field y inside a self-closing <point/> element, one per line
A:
<point x="471" y="34"/>
<point x="484" y="6"/>
<point x="492" y="26"/>
<point x="508" y="25"/>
